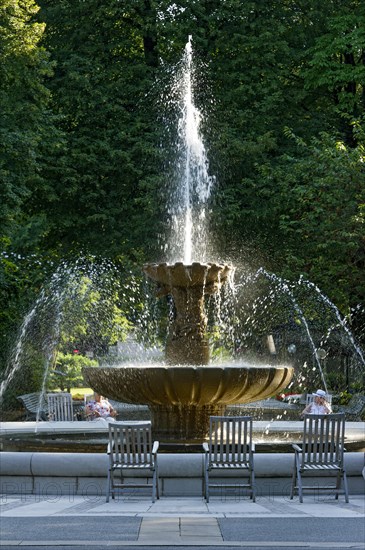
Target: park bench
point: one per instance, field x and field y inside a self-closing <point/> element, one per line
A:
<point x="35" y="405"/>
<point x="355" y="410"/>
<point x="40" y="407"/>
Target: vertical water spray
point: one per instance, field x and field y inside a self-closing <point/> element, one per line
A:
<point x="189" y="199"/>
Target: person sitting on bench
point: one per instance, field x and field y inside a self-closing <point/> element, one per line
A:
<point x="100" y="407"/>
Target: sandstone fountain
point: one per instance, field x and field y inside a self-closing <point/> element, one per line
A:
<point x="185" y="392"/>
<point x="187" y="389"/>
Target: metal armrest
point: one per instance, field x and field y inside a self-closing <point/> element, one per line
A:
<point x="155" y="447"/>
<point x="205" y="447"/>
<point x="296" y="448"/>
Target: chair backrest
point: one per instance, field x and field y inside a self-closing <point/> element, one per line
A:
<point x="60" y="406"/>
<point x="323" y="439"/>
<point x="230" y="439"/>
<point x="34" y="402"/>
<point x="130" y="443"/>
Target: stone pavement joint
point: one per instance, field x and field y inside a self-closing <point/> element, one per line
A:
<point x="199" y="544"/>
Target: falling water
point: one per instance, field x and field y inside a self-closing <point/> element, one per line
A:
<point x="14" y="364"/>
<point x="42" y="321"/>
<point x="298" y="307"/>
<point x="62" y="305"/>
<point x="282" y="284"/>
<point x="189" y="200"/>
<point x="341" y="322"/>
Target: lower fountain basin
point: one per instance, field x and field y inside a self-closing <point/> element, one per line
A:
<point x="182" y="398"/>
<point x="188" y="385"/>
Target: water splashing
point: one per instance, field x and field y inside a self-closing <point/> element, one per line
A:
<point x="341" y="321"/>
<point x="189" y="199"/>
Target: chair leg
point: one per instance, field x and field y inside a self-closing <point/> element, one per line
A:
<point x="338" y="484"/>
<point x="206" y="485"/>
<point x="300" y="487"/>
<point x="154" y="490"/>
<point x="253" y="486"/>
<point x="345" y="486"/>
<point x="297" y="477"/>
<point x="108" y="486"/>
<point x="157" y="484"/>
<point x="294" y="478"/>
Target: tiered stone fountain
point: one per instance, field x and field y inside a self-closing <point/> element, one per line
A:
<point x="185" y="392"/>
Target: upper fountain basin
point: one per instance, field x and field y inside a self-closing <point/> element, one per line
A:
<point x="188" y="384"/>
<point x="180" y="275"/>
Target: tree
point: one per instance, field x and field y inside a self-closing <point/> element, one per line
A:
<point x="105" y="181"/>
<point x="27" y="134"/>
<point x="321" y="206"/>
<point x="336" y="67"/>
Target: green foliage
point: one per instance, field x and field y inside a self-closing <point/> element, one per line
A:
<point x="281" y="85"/>
<point x="321" y="198"/>
<point x="67" y="371"/>
<point x="336" y="67"/>
<point x="106" y="175"/>
<point x="91" y="317"/>
<point x="26" y="123"/>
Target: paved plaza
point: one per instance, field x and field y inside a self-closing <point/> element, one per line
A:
<point x="227" y="521"/>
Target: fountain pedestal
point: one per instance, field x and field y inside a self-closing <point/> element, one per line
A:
<point x="186" y="423"/>
<point x="188" y="284"/>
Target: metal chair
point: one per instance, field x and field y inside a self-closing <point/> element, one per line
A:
<point x="60" y="407"/>
<point x="230" y="448"/>
<point x="130" y="448"/>
<point x="322" y="450"/>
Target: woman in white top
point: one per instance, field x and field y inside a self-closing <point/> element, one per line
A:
<point x="319" y="405"/>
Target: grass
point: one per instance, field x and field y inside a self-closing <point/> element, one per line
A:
<point x="78" y="393"/>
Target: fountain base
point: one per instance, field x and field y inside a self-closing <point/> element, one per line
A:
<point x="188" y="423"/>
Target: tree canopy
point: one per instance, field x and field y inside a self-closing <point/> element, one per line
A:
<point x="82" y="169"/>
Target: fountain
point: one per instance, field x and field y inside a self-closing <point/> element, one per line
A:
<point x="189" y="386"/>
<point x="187" y="390"/>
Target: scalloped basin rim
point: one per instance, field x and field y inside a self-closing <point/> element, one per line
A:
<point x="187" y="275"/>
<point x="188" y="385"/>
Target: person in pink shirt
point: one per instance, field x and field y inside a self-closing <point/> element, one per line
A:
<point x="100" y="407"/>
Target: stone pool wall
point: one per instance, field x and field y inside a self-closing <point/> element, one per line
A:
<point x="59" y="474"/>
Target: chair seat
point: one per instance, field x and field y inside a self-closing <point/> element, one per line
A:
<point x="118" y="465"/>
<point x="321" y="467"/>
<point x="229" y="465"/>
